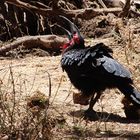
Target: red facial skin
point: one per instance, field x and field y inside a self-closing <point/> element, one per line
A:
<point x="74" y="40"/>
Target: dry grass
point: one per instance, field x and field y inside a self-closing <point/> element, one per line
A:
<point x="22" y="117"/>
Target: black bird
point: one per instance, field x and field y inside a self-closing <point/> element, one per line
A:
<point x="93" y="69"/>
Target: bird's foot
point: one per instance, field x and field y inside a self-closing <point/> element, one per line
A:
<point x="91" y="115"/>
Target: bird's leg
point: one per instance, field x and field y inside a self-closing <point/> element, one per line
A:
<point x="94" y="100"/>
<point x="90" y="113"/>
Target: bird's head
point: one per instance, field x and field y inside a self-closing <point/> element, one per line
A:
<point x="75" y="39"/>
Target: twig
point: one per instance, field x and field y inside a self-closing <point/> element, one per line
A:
<point x="126" y="9"/>
<point x="50" y="85"/>
<point x="61" y="79"/>
<point x="14" y="98"/>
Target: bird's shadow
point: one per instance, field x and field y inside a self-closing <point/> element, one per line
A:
<point x="103" y="116"/>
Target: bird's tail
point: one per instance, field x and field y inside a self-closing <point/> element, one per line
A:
<point x="132" y="94"/>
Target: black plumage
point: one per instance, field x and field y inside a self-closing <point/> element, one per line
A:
<point x="93" y="69"/>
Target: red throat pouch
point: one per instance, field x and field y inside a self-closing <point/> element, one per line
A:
<point x="65" y="46"/>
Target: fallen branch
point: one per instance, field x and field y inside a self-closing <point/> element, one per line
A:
<point x="44" y="41"/>
<point x="87" y="13"/>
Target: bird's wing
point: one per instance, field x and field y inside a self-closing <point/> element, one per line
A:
<point x="114" y="67"/>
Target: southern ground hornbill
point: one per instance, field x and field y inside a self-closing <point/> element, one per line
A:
<point x="93" y="69"/>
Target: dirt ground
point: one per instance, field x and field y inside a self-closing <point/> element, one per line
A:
<point x="31" y="74"/>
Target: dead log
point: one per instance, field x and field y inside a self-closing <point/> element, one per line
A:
<point x="44" y="41"/>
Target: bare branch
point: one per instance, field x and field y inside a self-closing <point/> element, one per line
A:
<point x="89" y="13"/>
<point x="126" y="9"/>
<point x="82" y="13"/>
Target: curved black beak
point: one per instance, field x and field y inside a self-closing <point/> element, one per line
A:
<point x="73" y="27"/>
<point x="66" y="32"/>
